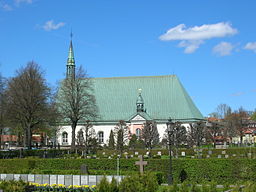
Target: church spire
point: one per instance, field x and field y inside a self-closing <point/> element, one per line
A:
<point x="140" y="103"/>
<point x="71" y="61"/>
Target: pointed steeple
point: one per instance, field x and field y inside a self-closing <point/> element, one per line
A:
<point x="140" y="103"/>
<point x="71" y="61"/>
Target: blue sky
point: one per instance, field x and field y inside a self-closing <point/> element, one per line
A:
<point x="210" y="45"/>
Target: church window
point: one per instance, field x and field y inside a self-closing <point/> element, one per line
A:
<point x="138" y="132"/>
<point x="64" y="137"/>
<point x="101" y="137"/>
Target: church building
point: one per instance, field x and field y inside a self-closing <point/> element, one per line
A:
<point x="135" y="100"/>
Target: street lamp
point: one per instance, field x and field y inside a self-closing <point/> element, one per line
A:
<point x="170" y="126"/>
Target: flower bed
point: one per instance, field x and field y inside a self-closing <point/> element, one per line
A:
<point x="62" y="188"/>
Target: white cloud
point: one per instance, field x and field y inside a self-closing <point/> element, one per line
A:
<point x="49" y="25"/>
<point x="223" y="49"/>
<point x="193" y="37"/>
<point x="190" y="46"/>
<point x="237" y="94"/>
<point x="251" y="46"/>
<point x="23" y="1"/>
<point x="6" y="7"/>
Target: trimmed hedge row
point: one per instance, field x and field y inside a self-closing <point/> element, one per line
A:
<point x="195" y="170"/>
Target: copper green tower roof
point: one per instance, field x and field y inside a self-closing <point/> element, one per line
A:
<point x="163" y="97"/>
<point x="71" y="58"/>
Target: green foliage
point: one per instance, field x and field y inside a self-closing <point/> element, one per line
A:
<point x="197" y="170"/>
<point x="139" y="183"/>
<point x="13" y="186"/>
<point x="105" y="186"/>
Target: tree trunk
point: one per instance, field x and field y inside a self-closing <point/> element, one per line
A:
<point x="29" y="138"/>
<point x="73" y="142"/>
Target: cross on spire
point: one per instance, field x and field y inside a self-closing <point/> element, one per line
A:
<point x="141" y="163"/>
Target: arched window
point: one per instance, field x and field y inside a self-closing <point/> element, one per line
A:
<point x="101" y="137"/>
<point x="138" y="132"/>
<point x="64" y="138"/>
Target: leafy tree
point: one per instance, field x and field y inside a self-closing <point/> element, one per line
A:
<point x="28" y="101"/>
<point x="76" y="101"/>
<point x="122" y="135"/>
<point x="150" y="134"/>
<point x="111" y="141"/>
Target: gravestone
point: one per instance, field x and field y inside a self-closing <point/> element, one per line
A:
<point x="84" y="179"/>
<point x="84" y="169"/>
<point x="249" y="155"/>
<point x="92" y="180"/>
<point x="159" y="153"/>
<point x="131" y="156"/>
<point x="103" y="153"/>
<point x="3" y="176"/>
<point x="53" y="179"/>
<point x="223" y="152"/>
<point x="219" y="156"/>
<point x="61" y="179"/>
<point x="76" y="180"/>
<point x="109" y="157"/>
<point x="38" y="179"/>
<point x="141" y="163"/>
<point x="209" y="152"/>
<point x="136" y="153"/>
<point x="208" y="156"/>
<point x="9" y="177"/>
<point x="46" y="179"/>
<point x="226" y="156"/>
<point x="98" y="178"/>
<point x="234" y="155"/>
<point x="31" y="178"/>
<point x="24" y="177"/>
<point x="68" y="180"/>
<point x="109" y="178"/>
<point x="183" y="153"/>
<point x="193" y="157"/>
<point x="16" y="177"/>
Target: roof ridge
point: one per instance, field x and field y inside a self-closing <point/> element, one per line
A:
<point x="130" y="77"/>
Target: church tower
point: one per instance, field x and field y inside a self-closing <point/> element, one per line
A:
<point x="140" y="103"/>
<point x="71" y="62"/>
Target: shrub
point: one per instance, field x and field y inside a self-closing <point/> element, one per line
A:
<point x="139" y="183"/>
<point x="13" y="186"/>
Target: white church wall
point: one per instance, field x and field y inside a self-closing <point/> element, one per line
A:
<point x="106" y="132"/>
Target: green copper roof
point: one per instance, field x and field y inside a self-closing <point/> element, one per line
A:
<point x="71" y="58"/>
<point x="163" y="96"/>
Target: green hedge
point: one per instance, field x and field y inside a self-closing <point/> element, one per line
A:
<point x="196" y="170"/>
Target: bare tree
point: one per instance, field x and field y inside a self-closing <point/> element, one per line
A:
<point x="214" y="129"/>
<point x="28" y="101"/>
<point x="178" y="136"/>
<point x="236" y="122"/>
<point x="76" y="101"/>
<point x="122" y="135"/>
<point x="223" y="110"/>
<point x="150" y="134"/>
<point x="2" y="108"/>
<point x="196" y="133"/>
